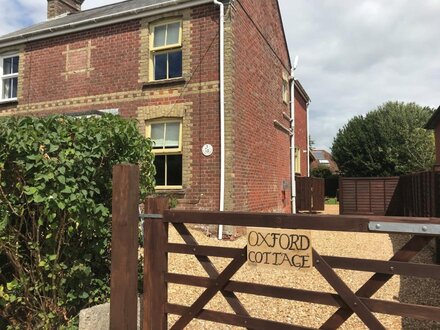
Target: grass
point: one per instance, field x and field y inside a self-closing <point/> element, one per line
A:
<point x="331" y="201"/>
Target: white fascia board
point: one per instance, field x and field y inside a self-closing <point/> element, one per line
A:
<point x="89" y="24"/>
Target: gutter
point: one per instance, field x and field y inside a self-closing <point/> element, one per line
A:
<point x="292" y="136"/>
<point x="105" y="20"/>
<point x="222" y="112"/>
<point x="308" y="138"/>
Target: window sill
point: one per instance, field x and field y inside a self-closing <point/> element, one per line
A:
<point x="170" y="191"/>
<point x="165" y="82"/>
<point x="6" y="101"/>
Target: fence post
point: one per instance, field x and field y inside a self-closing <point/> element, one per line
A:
<point x="155" y="266"/>
<point x="125" y="222"/>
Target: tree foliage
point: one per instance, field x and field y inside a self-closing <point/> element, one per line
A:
<point x="321" y="172"/>
<point x="55" y="206"/>
<point x="388" y="141"/>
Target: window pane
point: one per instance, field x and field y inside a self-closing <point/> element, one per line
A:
<point x="14" y="82"/>
<point x="172" y="135"/>
<point x="175" y="64"/>
<point x="9" y="88"/>
<point x="157" y="135"/>
<point x="173" y="33"/>
<point x="174" y="170"/>
<point x="160" y="66"/>
<point x="15" y="64"/>
<point x="7" y="65"/>
<point x="159" y="35"/>
<point x="159" y="163"/>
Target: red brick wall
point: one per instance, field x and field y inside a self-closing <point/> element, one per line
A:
<point x="301" y="129"/>
<point x="261" y="154"/>
<point x="114" y="67"/>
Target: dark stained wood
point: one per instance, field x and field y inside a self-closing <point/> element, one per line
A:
<point x="323" y="298"/>
<point x="385" y="267"/>
<point x="310" y="194"/>
<point x="352" y="223"/>
<point x="352" y="301"/>
<point x="420" y="312"/>
<point x="235" y="320"/>
<point x="209" y="293"/>
<point x="199" y="250"/>
<point x="210" y="269"/>
<point x="125" y="222"/>
<point x="405" y="254"/>
<point x="155" y="266"/>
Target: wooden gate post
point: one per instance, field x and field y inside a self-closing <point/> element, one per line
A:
<point x="125" y="224"/>
<point x="155" y="266"/>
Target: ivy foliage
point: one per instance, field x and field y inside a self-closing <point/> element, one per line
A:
<point x="55" y="206"/>
<point x="389" y="141"/>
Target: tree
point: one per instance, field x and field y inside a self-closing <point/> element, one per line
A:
<point x="321" y="172"/>
<point x="388" y="141"/>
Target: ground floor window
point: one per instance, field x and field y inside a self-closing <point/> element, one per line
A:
<point x="297" y="160"/>
<point x="167" y="146"/>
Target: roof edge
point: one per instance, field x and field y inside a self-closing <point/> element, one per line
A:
<point x="302" y="91"/>
<point x="434" y="120"/>
<point x="91" y="23"/>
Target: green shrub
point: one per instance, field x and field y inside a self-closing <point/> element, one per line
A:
<point x="55" y="206"/>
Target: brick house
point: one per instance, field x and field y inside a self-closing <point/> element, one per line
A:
<point x="434" y="124"/>
<point x="158" y="61"/>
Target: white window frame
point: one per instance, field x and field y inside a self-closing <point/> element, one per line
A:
<point x="164" y="49"/>
<point x="8" y="76"/>
<point x="164" y="151"/>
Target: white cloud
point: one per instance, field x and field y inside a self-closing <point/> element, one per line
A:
<point x="355" y="55"/>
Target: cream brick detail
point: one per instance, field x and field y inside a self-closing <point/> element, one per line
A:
<point x="129" y="96"/>
<point x="181" y="111"/>
<point x="229" y="112"/>
<point x="78" y="60"/>
<point x="144" y="56"/>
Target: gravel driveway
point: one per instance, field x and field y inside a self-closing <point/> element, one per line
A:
<point x="359" y="245"/>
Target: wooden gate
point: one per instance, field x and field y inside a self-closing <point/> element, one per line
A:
<point x="310" y="194"/>
<point x="156" y="276"/>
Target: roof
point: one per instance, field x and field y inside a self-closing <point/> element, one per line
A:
<point x="302" y="91"/>
<point x="90" y="17"/>
<point x="434" y="121"/>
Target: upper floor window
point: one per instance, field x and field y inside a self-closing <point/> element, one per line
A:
<point x="167" y="146"/>
<point x="286" y="91"/>
<point x="9" y="77"/>
<point x="166" y="50"/>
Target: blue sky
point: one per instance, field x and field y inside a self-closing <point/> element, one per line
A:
<point x="354" y="55"/>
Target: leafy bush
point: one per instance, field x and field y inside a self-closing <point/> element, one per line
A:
<point x="389" y="141"/>
<point x="55" y="206"/>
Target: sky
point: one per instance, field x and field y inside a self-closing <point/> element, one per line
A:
<point x="353" y="55"/>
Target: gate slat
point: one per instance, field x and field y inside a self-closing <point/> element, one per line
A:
<point x="235" y="320"/>
<point x="209" y="293"/>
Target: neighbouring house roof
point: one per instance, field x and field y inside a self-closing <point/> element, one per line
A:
<point x="323" y="158"/>
<point x="302" y="91"/>
<point x="434" y="121"/>
<point x="86" y="18"/>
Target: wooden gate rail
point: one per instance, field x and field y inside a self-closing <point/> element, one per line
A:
<point x="156" y="275"/>
<point x="347" y="301"/>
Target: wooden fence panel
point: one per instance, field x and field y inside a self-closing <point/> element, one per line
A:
<point x="310" y="194"/>
<point x="367" y="195"/>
